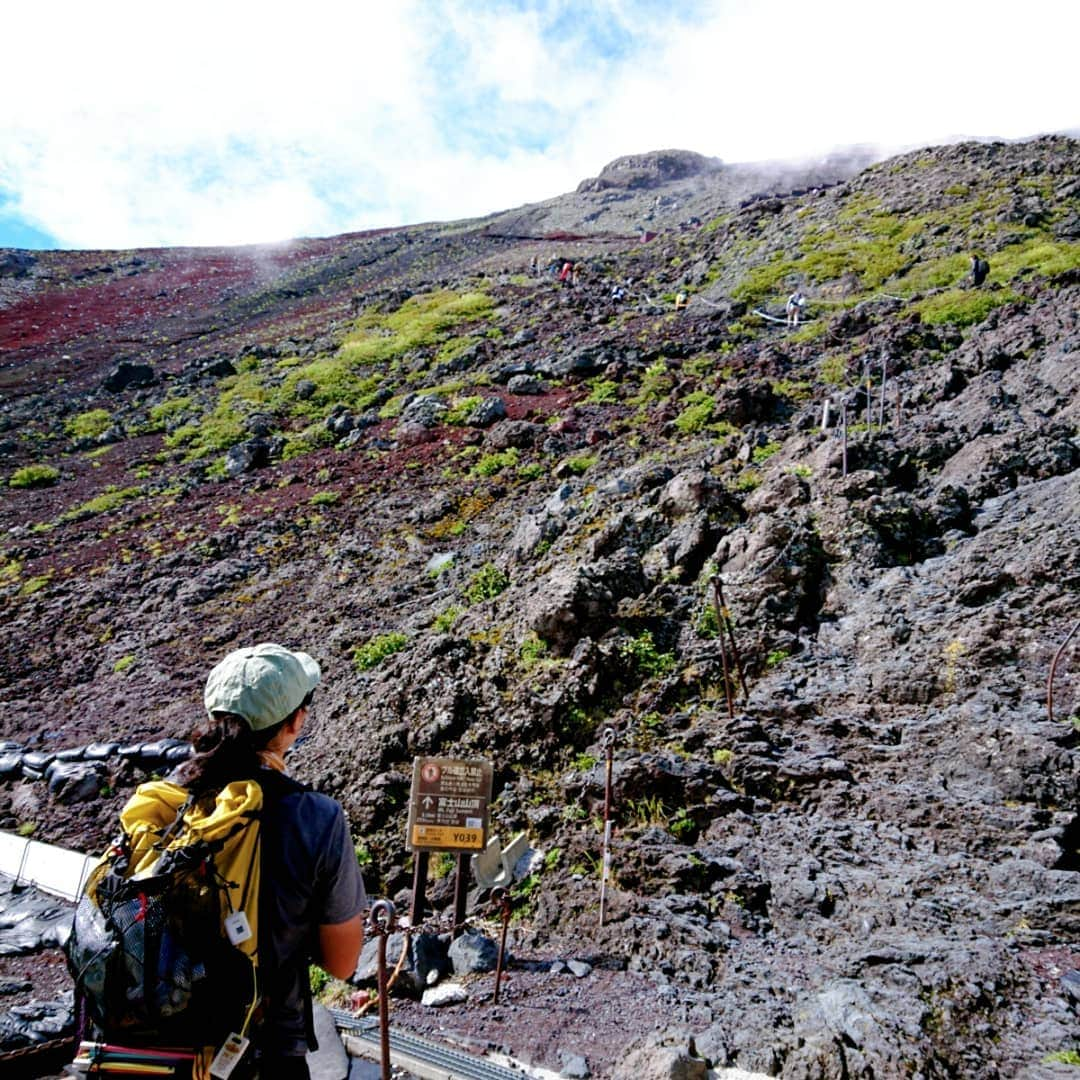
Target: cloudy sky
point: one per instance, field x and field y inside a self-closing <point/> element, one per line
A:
<point x="133" y="124"/>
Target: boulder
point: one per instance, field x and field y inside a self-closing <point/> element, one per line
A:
<point x="488" y="412"/>
<point x="517" y="433"/>
<point x="472" y="952"/>
<point x="424" y="410"/>
<point x="127" y="374"/>
<point x="247" y="457"/>
<point x="523" y="385"/>
<point x="660" y="1057"/>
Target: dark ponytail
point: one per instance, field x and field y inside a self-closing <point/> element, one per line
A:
<point x="226" y="749"/>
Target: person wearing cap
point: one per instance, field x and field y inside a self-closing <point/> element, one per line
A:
<point x="312" y="896"/>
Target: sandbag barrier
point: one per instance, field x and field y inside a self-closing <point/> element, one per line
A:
<point x="30" y="921"/>
<point x="78" y="773"/>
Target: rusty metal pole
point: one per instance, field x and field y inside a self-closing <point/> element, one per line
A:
<point x="382" y="919"/>
<point x="609" y="757"/>
<point x="728" y="694"/>
<point x="501" y="897"/>
<point x="729" y="625"/>
<point x="843" y="437"/>
<point x="461" y="894"/>
<point x="1053" y="671"/>
<point x="884" y="383"/>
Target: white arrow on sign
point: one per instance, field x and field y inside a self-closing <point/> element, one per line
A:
<point x="427" y="802"/>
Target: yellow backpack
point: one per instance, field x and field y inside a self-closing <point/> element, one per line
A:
<point x="164" y="948"/>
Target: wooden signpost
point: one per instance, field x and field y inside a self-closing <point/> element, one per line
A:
<point x="448" y="811"/>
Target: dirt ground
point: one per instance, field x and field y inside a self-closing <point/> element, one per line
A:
<point x="542" y="1018"/>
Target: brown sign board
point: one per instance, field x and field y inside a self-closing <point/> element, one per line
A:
<point x="448" y="806"/>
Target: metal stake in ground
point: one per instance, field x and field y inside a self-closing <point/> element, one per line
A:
<point x="382" y="921"/>
<point x="843" y="436"/>
<point x="609" y="756"/>
<point x="729" y="626"/>
<point x="884" y="382"/>
<point x="1053" y="670"/>
<point x="501" y="898"/>
<point x="729" y="694"/>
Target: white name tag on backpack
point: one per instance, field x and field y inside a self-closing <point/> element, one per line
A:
<point x="237" y="928"/>
<point x="228" y="1057"/>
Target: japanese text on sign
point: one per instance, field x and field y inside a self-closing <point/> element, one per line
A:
<point x="448" y="807"/>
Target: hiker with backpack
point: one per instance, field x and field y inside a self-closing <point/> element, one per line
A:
<point x="795" y="303"/>
<point x="979" y="269"/>
<point x="197" y="929"/>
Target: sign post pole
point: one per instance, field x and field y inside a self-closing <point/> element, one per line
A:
<point x="461" y="893"/>
<point x="419" y="886"/>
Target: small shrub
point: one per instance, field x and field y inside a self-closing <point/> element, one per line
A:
<point x="649" y="810"/>
<point x="487" y="583"/>
<point x="682" y="826"/>
<point x="325" y="498"/>
<point x="583" y="762"/>
<point x="462" y="409"/>
<point x="532" y="471"/>
<point x="443" y="865"/>
<point x="373" y="652"/>
<point x="706" y="624"/>
<point x="1063" y="1057"/>
<point x="167" y="410"/>
<point x="318" y="979"/>
<point x="32" y="476"/>
<point x="723" y="757"/>
<point x="763" y="453"/>
<point x="776" y="657"/>
<point x="642" y="654"/>
<point x="747" y="480"/>
<point x="603" y="392"/>
<point x="88" y="425"/>
<point x="444" y="621"/>
<point x="491" y="464"/>
<point x="532" y="650"/>
<point x="27" y="828"/>
<point x="582" y="463"/>
<point x="696" y="415"/>
<point x="123" y="664"/>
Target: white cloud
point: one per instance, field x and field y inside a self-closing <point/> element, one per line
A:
<point x="134" y="124"/>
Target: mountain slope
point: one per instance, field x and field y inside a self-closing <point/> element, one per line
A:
<point x="492" y="506"/>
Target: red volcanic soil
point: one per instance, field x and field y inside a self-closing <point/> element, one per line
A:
<point x="79" y="309"/>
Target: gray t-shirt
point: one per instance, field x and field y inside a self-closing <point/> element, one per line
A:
<point x="310" y="878"/>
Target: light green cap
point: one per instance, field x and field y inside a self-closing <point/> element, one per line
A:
<point x="262" y="683"/>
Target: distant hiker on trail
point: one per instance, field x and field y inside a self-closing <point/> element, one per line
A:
<point x="795" y="303"/>
<point x="533" y="266"/>
<point x="566" y="273"/>
<point x="681" y="300"/>
<point x="618" y="293"/>
<point x="979" y="269"/>
<point x="576" y="273"/>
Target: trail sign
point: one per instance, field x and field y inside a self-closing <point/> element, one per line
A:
<point x="448" y="806"/>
